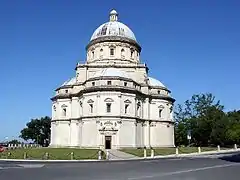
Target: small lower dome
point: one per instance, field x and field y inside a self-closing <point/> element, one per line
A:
<point x="71" y="81"/>
<point x="155" y="82"/>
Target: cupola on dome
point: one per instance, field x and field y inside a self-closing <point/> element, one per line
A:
<point x="113" y="28"/>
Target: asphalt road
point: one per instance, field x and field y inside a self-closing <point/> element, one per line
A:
<point x="225" y="168"/>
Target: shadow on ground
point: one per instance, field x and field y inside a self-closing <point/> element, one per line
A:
<point x="231" y="158"/>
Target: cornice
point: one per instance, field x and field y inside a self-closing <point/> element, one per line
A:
<point x="115" y="39"/>
<point x="113" y="88"/>
<point x="111" y="65"/>
<point x="117" y="117"/>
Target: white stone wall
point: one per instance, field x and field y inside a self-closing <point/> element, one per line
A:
<point x="127" y="134"/>
<point x="90" y="134"/>
<point x="162" y="134"/>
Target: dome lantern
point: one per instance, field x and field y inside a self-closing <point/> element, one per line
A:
<point x="113" y="16"/>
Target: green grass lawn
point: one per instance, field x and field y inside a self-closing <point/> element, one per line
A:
<point x="167" y="151"/>
<point x="53" y="153"/>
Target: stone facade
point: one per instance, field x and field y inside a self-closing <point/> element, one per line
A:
<point x="112" y="102"/>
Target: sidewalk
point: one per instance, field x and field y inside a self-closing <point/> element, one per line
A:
<point x="119" y="155"/>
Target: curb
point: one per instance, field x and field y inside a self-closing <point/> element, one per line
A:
<point x="193" y="155"/>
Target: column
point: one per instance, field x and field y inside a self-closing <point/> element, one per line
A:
<point x="120" y="104"/>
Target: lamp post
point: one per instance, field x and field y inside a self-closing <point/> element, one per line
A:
<point x="189" y="137"/>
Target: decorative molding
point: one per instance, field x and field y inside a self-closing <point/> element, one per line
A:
<point x="161" y="107"/>
<point x="127" y="101"/>
<point x="108" y="100"/>
<point x="90" y="101"/>
<point x="64" y="106"/>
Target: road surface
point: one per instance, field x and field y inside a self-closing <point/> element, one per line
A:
<point x="225" y="168"/>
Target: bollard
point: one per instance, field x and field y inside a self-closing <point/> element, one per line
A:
<point x="218" y="148"/>
<point x="46" y="155"/>
<point x="152" y="153"/>
<point x="177" y="151"/>
<point x="144" y="152"/>
<point x="25" y="155"/>
<point x="199" y="150"/>
<point x="99" y="155"/>
<point x="235" y="146"/>
<point x="72" y="156"/>
<point x="8" y="155"/>
<point x="107" y="155"/>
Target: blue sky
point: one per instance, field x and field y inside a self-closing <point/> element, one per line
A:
<point x="191" y="46"/>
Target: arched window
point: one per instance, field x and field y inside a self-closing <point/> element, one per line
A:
<point x="126" y="108"/>
<point x="101" y="53"/>
<point x="64" y="110"/>
<point x="108" y="107"/>
<point x="91" y="108"/>
<point x="160" y="111"/>
<point x="54" y="108"/>
<point x="139" y="109"/>
<point x="90" y="102"/>
<point x="122" y="53"/>
<point x="92" y="54"/>
<point x="132" y="53"/>
<point x="111" y="51"/>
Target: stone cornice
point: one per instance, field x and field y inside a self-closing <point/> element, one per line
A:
<point x="113" y="88"/>
<point x="115" y="39"/>
<point x="111" y="66"/>
<point x="117" y="117"/>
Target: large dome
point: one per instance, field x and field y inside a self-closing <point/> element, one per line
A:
<point x="113" y="28"/>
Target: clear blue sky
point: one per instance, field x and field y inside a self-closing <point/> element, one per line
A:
<point x="191" y="46"/>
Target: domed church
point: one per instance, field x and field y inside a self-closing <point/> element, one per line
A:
<point x="111" y="102"/>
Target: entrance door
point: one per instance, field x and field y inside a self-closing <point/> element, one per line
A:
<point x="108" y="140"/>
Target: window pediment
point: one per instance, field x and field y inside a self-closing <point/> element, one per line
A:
<point x="64" y="106"/>
<point x="108" y="100"/>
<point x="127" y="101"/>
<point x="90" y="101"/>
<point x="161" y="107"/>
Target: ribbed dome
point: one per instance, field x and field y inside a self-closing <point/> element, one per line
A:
<point x="110" y="72"/>
<point x="71" y="81"/>
<point x="113" y="28"/>
<point x="155" y="82"/>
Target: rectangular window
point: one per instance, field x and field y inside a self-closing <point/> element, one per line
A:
<point x="111" y="52"/>
<point x="93" y="83"/>
<point x="160" y="113"/>
<point x="91" y="108"/>
<point x="108" y="107"/>
<point x="125" y="83"/>
<point x="109" y="83"/>
<point x="126" y="108"/>
<point x="64" y="112"/>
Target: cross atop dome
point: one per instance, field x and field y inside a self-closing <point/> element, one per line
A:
<point x="113" y="15"/>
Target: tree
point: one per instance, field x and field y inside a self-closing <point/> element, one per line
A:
<point x="200" y="115"/>
<point x="37" y="130"/>
<point x="233" y="130"/>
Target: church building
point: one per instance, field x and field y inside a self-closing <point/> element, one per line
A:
<point x="111" y="102"/>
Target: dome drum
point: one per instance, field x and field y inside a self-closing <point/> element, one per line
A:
<point x="115" y="39"/>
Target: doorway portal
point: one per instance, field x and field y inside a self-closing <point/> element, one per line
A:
<point x="108" y="141"/>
